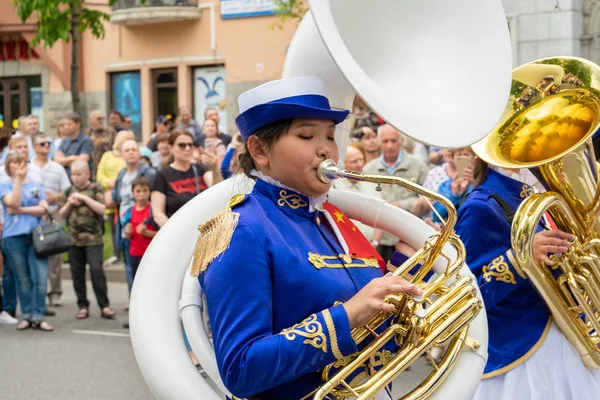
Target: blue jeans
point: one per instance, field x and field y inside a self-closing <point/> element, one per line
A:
<point x="9" y="289"/>
<point x="31" y="275"/>
<point x="127" y="259"/>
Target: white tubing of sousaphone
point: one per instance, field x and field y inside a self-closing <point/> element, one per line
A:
<point x="155" y="324"/>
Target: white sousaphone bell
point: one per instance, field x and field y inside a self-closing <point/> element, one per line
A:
<point x="438" y="70"/>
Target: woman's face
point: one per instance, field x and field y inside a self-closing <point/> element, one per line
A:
<point x="14" y="162"/>
<point x="183" y="149"/>
<point x="369" y="140"/>
<point x="210" y="129"/>
<point x="293" y="159"/>
<point x="164" y="148"/>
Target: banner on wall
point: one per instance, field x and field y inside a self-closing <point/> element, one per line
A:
<point x="246" y="8"/>
<point x="210" y="91"/>
<point x="127" y="99"/>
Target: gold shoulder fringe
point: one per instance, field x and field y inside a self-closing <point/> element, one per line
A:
<point x="214" y="238"/>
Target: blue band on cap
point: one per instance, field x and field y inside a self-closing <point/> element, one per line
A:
<point x="304" y="106"/>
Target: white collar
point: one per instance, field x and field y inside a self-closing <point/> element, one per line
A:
<point x="315" y="203"/>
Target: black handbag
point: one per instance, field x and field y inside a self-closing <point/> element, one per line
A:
<point x="50" y="238"/>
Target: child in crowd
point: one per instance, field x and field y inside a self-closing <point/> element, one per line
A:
<point x="82" y="206"/>
<point x="139" y="226"/>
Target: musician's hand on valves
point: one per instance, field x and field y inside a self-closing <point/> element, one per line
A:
<point x="369" y="300"/>
<point x="546" y="242"/>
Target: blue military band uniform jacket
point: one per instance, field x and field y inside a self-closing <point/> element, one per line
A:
<point x="518" y="318"/>
<point x="272" y="296"/>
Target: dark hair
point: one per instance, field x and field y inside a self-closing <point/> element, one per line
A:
<point x="268" y="135"/>
<point x="179" y="132"/>
<point x="5" y="136"/>
<point x="38" y="136"/>
<point x="74" y="117"/>
<point x="480" y="171"/>
<point x="140" y="181"/>
<point x="163" y="137"/>
<point x="116" y="113"/>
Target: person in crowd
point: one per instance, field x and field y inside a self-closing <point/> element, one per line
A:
<point x="355" y="161"/>
<point x="297" y="281"/>
<point x="7" y="314"/>
<point x="122" y="198"/>
<point x="82" y="206"/>
<point x="368" y="138"/>
<point x="126" y="122"/>
<point x="32" y="127"/>
<point x="528" y="356"/>
<point x="181" y="180"/>
<point x="146" y="156"/>
<point x="187" y="123"/>
<point x="24" y="204"/>
<point x="59" y="133"/>
<point x="162" y="156"/>
<point x="115" y="120"/>
<point x="210" y="141"/>
<point x="394" y="161"/>
<point x="445" y="173"/>
<point x="75" y="146"/>
<point x="55" y="181"/>
<point x="162" y="126"/>
<point x="436" y="156"/>
<point x="230" y="163"/>
<point x="213" y="113"/>
<point x="110" y="164"/>
<point x="139" y="226"/>
<point x="417" y="149"/>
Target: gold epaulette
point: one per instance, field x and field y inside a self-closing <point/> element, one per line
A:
<point x="215" y="235"/>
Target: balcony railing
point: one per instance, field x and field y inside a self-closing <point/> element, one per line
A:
<point x="132" y="12"/>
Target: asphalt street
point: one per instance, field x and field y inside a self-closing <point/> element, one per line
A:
<point x="89" y="359"/>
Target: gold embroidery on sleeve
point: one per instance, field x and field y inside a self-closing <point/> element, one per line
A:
<point x="332" y="335"/>
<point x="311" y="329"/>
<point x="292" y="200"/>
<point x="500" y="270"/>
<point x="511" y="258"/>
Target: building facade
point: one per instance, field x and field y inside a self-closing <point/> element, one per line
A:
<point x="153" y="59"/>
<point x="200" y="53"/>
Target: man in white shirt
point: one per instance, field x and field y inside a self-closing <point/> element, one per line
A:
<point x="55" y="180"/>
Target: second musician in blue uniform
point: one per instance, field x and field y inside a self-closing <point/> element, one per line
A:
<point x="284" y="288"/>
<point x="529" y="358"/>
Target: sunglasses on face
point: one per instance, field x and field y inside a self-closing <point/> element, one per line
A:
<point x="43" y="144"/>
<point x="183" y="146"/>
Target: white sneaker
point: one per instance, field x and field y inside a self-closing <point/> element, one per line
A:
<point x="109" y="261"/>
<point x="5" y="318"/>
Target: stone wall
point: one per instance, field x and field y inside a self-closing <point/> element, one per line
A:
<point x="55" y="105"/>
<point x="233" y="91"/>
<point x="544" y="28"/>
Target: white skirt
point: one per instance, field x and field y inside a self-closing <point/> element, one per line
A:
<point x="554" y="372"/>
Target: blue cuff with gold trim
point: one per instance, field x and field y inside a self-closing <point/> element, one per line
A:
<point x="338" y="327"/>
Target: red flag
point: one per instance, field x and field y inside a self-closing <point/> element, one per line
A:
<point x="358" y="245"/>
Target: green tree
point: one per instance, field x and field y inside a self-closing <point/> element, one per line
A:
<point x="64" y="20"/>
<point x="287" y="10"/>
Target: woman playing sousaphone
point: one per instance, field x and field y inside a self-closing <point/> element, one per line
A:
<point x="529" y="357"/>
<point x="284" y="287"/>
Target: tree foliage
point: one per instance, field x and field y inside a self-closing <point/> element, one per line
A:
<point x="54" y="19"/>
<point x="289" y="10"/>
